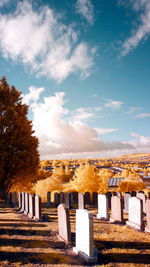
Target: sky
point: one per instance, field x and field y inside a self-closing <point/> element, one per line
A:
<point x="83" y="67"/>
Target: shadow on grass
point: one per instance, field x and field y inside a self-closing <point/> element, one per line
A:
<point x="25" y="232"/>
<point x="100" y="245"/>
<point x="22" y="225"/>
<point x="124" y="258"/>
<point x="32" y="243"/>
<point x="38" y="258"/>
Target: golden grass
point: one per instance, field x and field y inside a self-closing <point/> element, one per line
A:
<point x="27" y="243"/>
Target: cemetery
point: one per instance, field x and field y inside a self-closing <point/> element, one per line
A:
<point x="89" y="229"/>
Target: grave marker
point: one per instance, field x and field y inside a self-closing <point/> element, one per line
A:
<point x="64" y="222"/>
<point x="81" y="204"/>
<point x="127" y="195"/>
<point x="87" y="198"/>
<point x="68" y="200"/>
<point x="103" y="207"/>
<point x="84" y="245"/>
<point x="31" y="206"/>
<point x="142" y="196"/>
<point x="48" y="198"/>
<point x="147" y="228"/>
<point x="135" y="217"/>
<point x="37" y="208"/>
<point x="116" y="209"/>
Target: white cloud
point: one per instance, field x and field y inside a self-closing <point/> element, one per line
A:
<point x="33" y="95"/>
<point x="104" y="131"/>
<point x="142" y="115"/>
<point x="40" y="40"/>
<point x="60" y="136"/>
<point x="97" y="108"/>
<point x="133" y="110"/>
<point x="140" y="142"/>
<point x="143" y="30"/>
<point x="82" y="114"/>
<point x="85" y="8"/>
<point x="113" y="104"/>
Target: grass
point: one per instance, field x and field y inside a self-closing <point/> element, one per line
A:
<point x="24" y="242"/>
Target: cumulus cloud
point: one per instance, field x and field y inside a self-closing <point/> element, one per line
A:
<point x="113" y="104"/>
<point x="133" y="110"/>
<point x="40" y="40"/>
<point x="85" y="8"/>
<point x="140" y="142"/>
<point x="59" y="135"/>
<point x="33" y="95"/>
<point x="142" y="116"/>
<point x="82" y="114"/>
<point x="142" y="8"/>
<point x="104" y="131"/>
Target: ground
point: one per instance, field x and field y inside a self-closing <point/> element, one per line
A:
<point x="24" y="242"/>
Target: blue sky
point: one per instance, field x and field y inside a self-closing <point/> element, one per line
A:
<point x="83" y="68"/>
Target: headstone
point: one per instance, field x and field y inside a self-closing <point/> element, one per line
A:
<point x="10" y="198"/>
<point x="37" y="208"/>
<point x="31" y="206"/>
<point x="87" y="198"/>
<point x="95" y="199"/>
<point x="7" y="197"/>
<point x="74" y="198"/>
<point x="135" y="217"/>
<point x="116" y="209"/>
<point x="20" y="200"/>
<point x="64" y="222"/>
<point x="26" y="211"/>
<point x="23" y="201"/>
<point x="127" y="195"/>
<point x="62" y="197"/>
<point x="81" y="204"/>
<point x="56" y="199"/>
<point x="103" y="207"/>
<point x="48" y="198"/>
<point x="15" y="199"/>
<point x="68" y="200"/>
<point x="84" y="245"/>
<point x="147" y="228"/>
<point x="142" y="196"/>
<point x="109" y="195"/>
<point x="133" y="194"/>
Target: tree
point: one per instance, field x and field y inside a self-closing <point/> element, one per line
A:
<point x="19" y="156"/>
<point x="87" y="179"/>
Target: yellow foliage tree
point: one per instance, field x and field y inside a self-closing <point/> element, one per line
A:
<point x="87" y="179"/>
<point x="131" y="183"/>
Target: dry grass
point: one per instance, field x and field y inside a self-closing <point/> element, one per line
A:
<point x="24" y="242"/>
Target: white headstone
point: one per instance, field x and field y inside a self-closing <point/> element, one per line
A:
<point x="103" y="207"/>
<point x="143" y="198"/>
<point x="23" y="201"/>
<point x="37" y="208"/>
<point x="84" y="236"/>
<point x="135" y="216"/>
<point x="26" y="203"/>
<point x="20" y="200"/>
<point x="31" y="206"/>
<point x="64" y="222"/>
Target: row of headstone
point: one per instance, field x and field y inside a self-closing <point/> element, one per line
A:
<point x="135" y="210"/>
<point x="73" y="198"/>
<point x="30" y="205"/>
<point x="84" y="245"/>
<point x="11" y="198"/>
